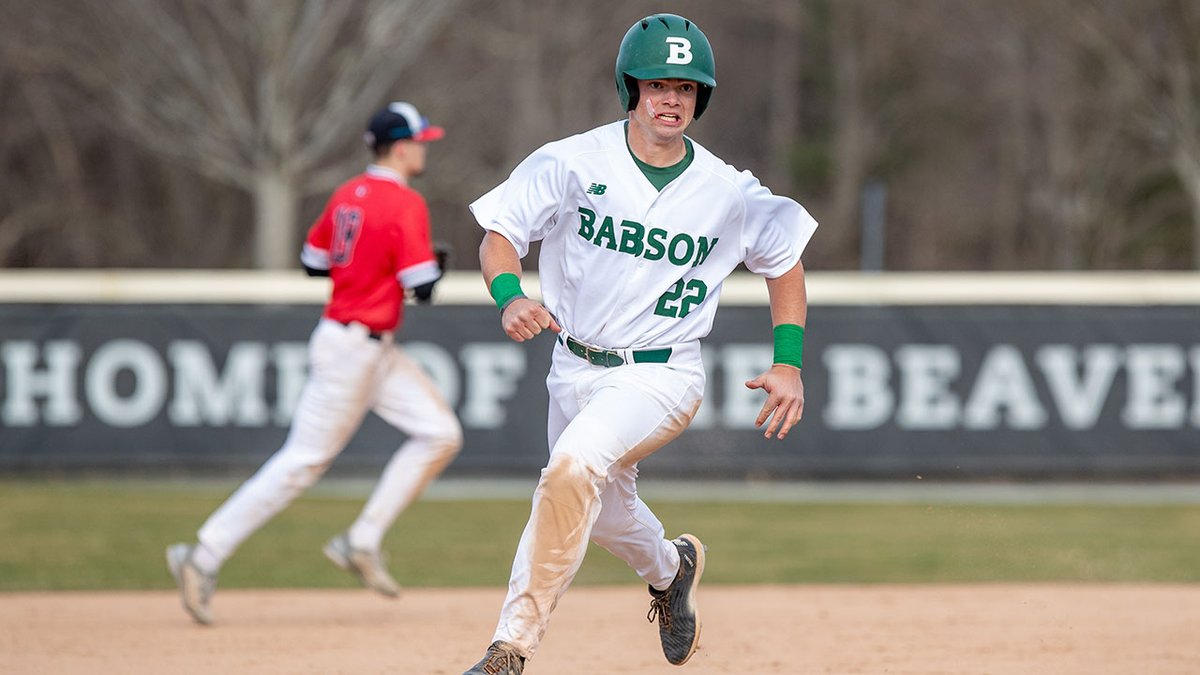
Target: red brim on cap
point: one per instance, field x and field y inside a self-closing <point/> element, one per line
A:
<point x="429" y="134"/>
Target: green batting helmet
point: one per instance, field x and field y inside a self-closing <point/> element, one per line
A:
<point x="665" y="46"/>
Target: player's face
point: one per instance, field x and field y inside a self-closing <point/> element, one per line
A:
<point x="666" y="107"/>
<point x="411" y="156"/>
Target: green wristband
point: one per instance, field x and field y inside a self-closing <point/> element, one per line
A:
<point x="506" y="287"/>
<point x="789" y="344"/>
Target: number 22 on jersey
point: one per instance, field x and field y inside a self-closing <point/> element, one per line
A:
<point x="679" y="300"/>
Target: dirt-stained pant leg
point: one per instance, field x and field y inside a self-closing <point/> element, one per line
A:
<point x="332" y="404"/>
<point x="610" y="419"/>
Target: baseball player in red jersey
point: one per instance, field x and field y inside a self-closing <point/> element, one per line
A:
<point x="374" y="243"/>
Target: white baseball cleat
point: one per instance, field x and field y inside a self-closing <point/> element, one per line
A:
<point x="195" y="587"/>
<point x="367" y="566"/>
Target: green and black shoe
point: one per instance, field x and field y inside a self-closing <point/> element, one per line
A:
<point x="501" y="659"/>
<point x="675" y="608"/>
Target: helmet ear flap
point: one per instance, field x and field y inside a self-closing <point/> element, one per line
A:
<point x="631" y="86"/>
<point x="703" y="93"/>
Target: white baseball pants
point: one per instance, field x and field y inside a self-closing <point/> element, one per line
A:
<point x="349" y="374"/>
<point x="601" y="422"/>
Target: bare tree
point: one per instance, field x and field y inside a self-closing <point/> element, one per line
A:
<point x="1151" y="48"/>
<point x="1080" y="172"/>
<point x="1011" y="134"/>
<point x="253" y="93"/>
<point x="878" y="97"/>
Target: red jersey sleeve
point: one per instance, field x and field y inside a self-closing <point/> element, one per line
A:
<point x="415" y="263"/>
<point x="315" y="254"/>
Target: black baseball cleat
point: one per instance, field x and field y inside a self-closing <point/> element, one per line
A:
<point x="501" y="659"/>
<point x="675" y="608"/>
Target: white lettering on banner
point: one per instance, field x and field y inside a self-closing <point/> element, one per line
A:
<point x="1194" y="358"/>
<point x="291" y="368"/>
<point x="203" y="398"/>
<point x="149" y="383"/>
<point x="859" y="394"/>
<point x="1153" y="402"/>
<point x="1080" y="381"/>
<point x="1079" y="397"/>
<point x="493" y="371"/>
<point x="25" y="383"/>
<point x="926" y="401"/>
<point x="1003" y="382"/>
<point x="919" y="387"/>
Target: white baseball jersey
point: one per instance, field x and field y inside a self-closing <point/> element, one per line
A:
<point x="624" y="265"/>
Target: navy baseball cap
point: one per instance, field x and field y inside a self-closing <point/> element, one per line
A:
<point x="400" y="121"/>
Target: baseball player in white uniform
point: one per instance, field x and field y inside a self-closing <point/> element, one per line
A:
<point x="640" y="226"/>
<point x="373" y="240"/>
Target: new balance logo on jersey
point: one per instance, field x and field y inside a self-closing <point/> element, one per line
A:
<point x="596" y="189"/>
<point x="636" y="240"/>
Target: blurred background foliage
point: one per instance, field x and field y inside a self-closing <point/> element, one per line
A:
<point x="998" y="134"/>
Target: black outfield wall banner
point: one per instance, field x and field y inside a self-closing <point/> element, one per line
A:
<point x="940" y="392"/>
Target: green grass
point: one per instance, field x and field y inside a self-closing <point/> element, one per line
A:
<point x="71" y="535"/>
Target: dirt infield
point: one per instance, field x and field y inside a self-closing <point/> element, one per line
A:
<point x="761" y="629"/>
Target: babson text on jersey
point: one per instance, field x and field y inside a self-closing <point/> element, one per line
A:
<point x="635" y="239"/>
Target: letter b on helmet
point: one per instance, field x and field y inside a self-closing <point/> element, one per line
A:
<point x="681" y="50"/>
<point x="665" y="46"/>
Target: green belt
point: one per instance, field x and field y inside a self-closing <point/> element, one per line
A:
<point x="610" y="358"/>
